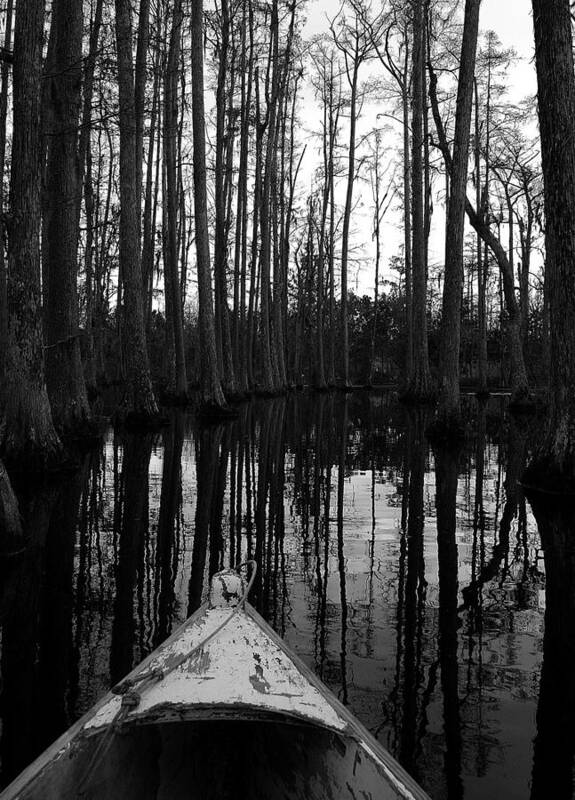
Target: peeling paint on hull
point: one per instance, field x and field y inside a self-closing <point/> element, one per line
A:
<point x="242" y="710"/>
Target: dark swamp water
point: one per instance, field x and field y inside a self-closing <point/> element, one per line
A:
<point x="414" y="583"/>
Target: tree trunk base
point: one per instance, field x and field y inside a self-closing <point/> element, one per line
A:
<point x="446" y="431"/>
<point x="209" y="413"/>
<point x="12" y="536"/>
<point x="269" y="393"/>
<point x="174" y="399"/>
<point x="416" y="397"/>
<point x="140" y="421"/>
<point x="522" y="402"/>
<point x="239" y="396"/>
<point x="24" y="452"/>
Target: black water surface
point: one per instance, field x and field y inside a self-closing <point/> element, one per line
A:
<point x="412" y="581"/>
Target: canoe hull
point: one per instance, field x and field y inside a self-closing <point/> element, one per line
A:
<point x="243" y="717"/>
<point x="216" y="761"/>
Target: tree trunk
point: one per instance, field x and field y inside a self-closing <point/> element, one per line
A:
<point x="407" y="226"/>
<point x="3" y="115"/>
<point x="240" y="338"/>
<point x="171" y="276"/>
<point x="481" y="267"/>
<point x="419" y="385"/>
<point x="268" y="384"/>
<point x="222" y="313"/>
<point x="11" y="535"/>
<point x="140" y="80"/>
<point x="139" y="400"/>
<point x="555" y="462"/>
<point x="63" y="90"/>
<point x="519" y="383"/>
<point x="150" y="204"/>
<point x="211" y="388"/>
<point x="27" y="432"/>
<point x="346" y="222"/>
<point x="448" y="411"/>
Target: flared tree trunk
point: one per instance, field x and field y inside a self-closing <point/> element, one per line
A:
<point x="139" y="400"/>
<point x="63" y="90"/>
<point x="210" y="383"/>
<point x="28" y="432"/>
<point x="222" y="312"/>
<point x="556" y="97"/>
<point x="171" y="272"/>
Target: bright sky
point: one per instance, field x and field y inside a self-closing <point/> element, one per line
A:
<point x="512" y="22"/>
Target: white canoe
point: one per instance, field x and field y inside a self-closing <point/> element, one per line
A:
<point x="220" y="710"/>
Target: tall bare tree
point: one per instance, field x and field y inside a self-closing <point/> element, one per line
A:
<point x="419" y="381"/>
<point x="448" y="411"/>
<point x="355" y="43"/>
<point x="4" y="82"/>
<point x="63" y="93"/>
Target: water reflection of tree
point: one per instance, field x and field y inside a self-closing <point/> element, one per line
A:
<point x="37" y="623"/>
<point x="91" y="596"/>
<point x="208" y="440"/>
<point x="446" y="468"/>
<point x="323" y="461"/>
<point x="498" y="563"/>
<point x="341" y="468"/>
<point x="167" y="537"/>
<point x="411" y="596"/>
<point x="272" y="534"/>
<point x="554" y="750"/>
<point x="131" y="528"/>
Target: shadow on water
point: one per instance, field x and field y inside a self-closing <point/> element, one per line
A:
<point x="408" y="580"/>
